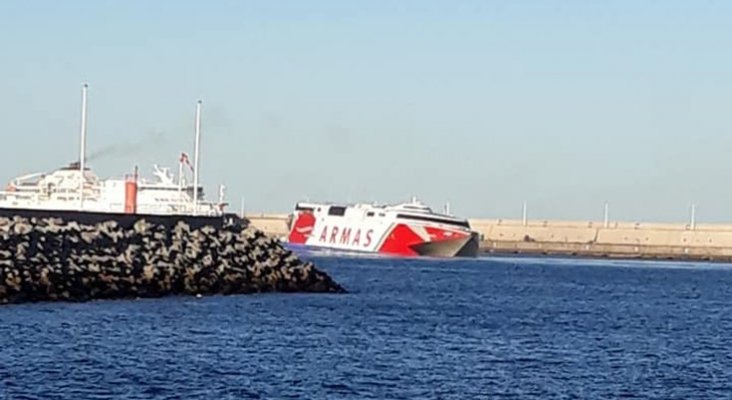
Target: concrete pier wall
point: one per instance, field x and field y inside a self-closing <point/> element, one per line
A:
<point x="271" y="224"/>
<point x="582" y="238"/>
<point x="618" y="239"/>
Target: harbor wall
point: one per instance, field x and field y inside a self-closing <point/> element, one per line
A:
<point x="582" y="238"/>
<point x="617" y="239"/>
<point x="271" y="224"/>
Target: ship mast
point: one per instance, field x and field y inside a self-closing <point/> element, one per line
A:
<point x="180" y="176"/>
<point x="82" y="155"/>
<point x="196" y="156"/>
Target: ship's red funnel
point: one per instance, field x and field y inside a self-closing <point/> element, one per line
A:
<point x="131" y="196"/>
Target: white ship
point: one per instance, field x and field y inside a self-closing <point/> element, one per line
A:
<point x="407" y="229"/>
<point x="59" y="190"/>
<point x="68" y="189"/>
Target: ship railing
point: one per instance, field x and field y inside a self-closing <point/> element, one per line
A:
<point x="181" y="208"/>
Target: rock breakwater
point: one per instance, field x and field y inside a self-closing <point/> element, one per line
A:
<point x="45" y="259"/>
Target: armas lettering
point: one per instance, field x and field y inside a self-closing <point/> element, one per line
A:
<point x="345" y="236"/>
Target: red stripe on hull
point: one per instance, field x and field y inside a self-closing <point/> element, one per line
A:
<point x="437" y="234"/>
<point x="302" y="228"/>
<point x="400" y="240"/>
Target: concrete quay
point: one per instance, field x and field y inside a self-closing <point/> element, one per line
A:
<point x="271" y="224"/>
<point x="706" y="242"/>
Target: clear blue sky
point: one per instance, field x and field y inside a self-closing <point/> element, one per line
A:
<point x="565" y="104"/>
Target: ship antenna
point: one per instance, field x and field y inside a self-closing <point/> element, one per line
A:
<point x="196" y="156"/>
<point x="82" y="155"/>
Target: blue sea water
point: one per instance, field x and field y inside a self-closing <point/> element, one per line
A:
<point x="409" y="329"/>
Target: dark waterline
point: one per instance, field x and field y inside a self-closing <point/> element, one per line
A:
<point x="457" y="329"/>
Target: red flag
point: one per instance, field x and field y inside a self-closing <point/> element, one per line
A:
<point x="184" y="159"/>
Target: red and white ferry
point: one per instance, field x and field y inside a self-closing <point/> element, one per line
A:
<point x="407" y="229"/>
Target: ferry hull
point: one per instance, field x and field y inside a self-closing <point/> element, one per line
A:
<point x="124" y="220"/>
<point x="462" y="247"/>
<point x="458" y="247"/>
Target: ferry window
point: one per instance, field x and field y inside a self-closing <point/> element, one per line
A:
<point x="370" y="214"/>
<point x="337" y="210"/>
<point x="463" y="224"/>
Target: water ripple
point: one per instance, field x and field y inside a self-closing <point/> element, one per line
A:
<point x="490" y="328"/>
